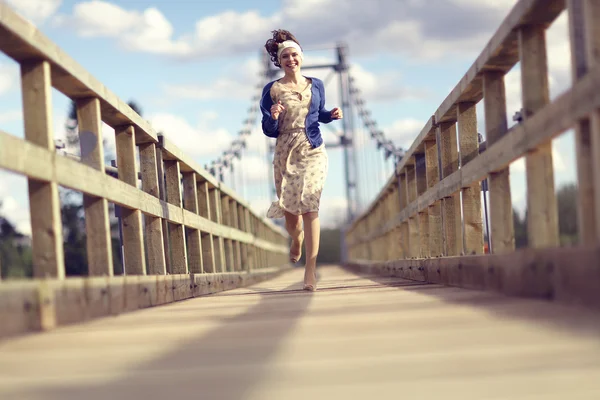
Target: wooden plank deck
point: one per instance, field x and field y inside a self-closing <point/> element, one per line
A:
<point x="357" y="337"/>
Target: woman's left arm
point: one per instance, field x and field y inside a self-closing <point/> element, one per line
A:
<point x="324" y="115"/>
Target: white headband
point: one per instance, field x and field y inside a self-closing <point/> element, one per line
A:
<point x="287" y="44"/>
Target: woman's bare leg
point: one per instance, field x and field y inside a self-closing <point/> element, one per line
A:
<point x="312" y="232"/>
<point x="293" y="225"/>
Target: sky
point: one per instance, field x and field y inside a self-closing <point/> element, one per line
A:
<point x="194" y="67"/>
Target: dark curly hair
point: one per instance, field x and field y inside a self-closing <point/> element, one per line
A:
<point x="279" y="36"/>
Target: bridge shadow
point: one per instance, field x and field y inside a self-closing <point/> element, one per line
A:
<point x="571" y="319"/>
<point x="225" y="363"/>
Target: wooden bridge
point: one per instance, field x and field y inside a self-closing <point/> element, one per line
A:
<point x="210" y="306"/>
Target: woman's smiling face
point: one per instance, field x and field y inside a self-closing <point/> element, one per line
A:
<point x="290" y="59"/>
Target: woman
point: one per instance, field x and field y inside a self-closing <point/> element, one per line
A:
<point x="292" y="108"/>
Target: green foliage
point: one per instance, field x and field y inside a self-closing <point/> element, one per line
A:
<point x="520" y="226"/>
<point x="15" y="253"/>
<point x="330" y="247"/>
<point x="566" y="198"/>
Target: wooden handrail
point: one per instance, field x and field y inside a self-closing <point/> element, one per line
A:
<point x="430" y="208"/>
<point x="179" y="224"/>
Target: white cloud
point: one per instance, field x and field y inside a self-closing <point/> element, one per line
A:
<point x="404" y="132"/>
<point x="196" y="141"/>
<point x="37" y="11"/>
<point x="386" y="26"/>
<point x="10" y="116"/>
<point x="15" y="206"/>
<point x="255" y="169"/>
<point x="147" y="31"/>
<point x="8" y="77"/>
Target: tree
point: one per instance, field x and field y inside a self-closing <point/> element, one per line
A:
<point x="520" y="226"/>
<point x="566" y="198"/>
<point x="15" y="251"/>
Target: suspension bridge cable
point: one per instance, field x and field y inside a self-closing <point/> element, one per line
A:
<point x="382" y="143"/>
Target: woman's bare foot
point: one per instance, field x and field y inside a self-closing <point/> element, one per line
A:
<point x="310" y="279"/>
<point x="296" y="248"/>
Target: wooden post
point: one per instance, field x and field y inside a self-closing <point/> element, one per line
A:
<point x="244" y="259"/>
<point x="227" y="243"/>
<point x="542" y="215"/>
<point x="414" y="240"/>
<point x="404" y="231"/>
<point x="235" y="223"/>
<point x="190" y="202"/>
<point x="44" y="203"/>
<point x="436" y="244"/>
<point x="133" y="236"/>
<point x="451" y="205"/>
<point x="160" y="167"/>
<point x="592" y="27"/>
<point x="97" y="223"/>
<point x="471" y="196"/>
<point x="179" y="260"/>
<point x="585" y="50"/>
<point x="204" y="207"/>
<point x="218" y="245"/>
<point x="502" y="226"/>
<point x="251" y="249"/>
<point x="155" y="239"/>
<point x="421" y="176"/>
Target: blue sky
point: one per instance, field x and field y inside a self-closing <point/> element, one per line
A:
<point x="193" y="66"/>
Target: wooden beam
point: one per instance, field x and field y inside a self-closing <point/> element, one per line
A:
<point x="97" y="221"/>
<point x="177" y="243"/>
<point x="204" y="208"/>
<point x="44" y="203"/>
<point x="154" y="229"/>
<point x="542" y="215"/>
<point x="35" y="305"/>
<point x="566" y="275"/>
<point x="133" y="235"/>
<point x="471" y="196"/>
<point x="436" y="243"/>
<point x="546" y="124"/>
<point x="15" y="155"/>
<point x="500" y="54"/>
<point x="502" y="229"/>
<point x="193" y="237"/>
<point x="20" y="40"/>
<point x="451" y="204"/>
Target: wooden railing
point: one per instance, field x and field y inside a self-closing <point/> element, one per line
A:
<point x="184" y="233"/>
<point x="426" y="223"/>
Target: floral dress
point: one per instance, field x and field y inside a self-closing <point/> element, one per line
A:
<point x="299" y="169"/>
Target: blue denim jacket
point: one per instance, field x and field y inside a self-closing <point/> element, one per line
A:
<point x="317" y="113"/>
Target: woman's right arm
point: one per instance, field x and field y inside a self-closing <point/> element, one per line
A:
<point x="270" y="126"/>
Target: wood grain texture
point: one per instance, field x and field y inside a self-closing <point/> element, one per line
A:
<point x="44" y="203"/>
<point x="177" y="244"/>
<point x="471" y="196"/>
<point x="22" y="41"/>
<point x="553" y="120"/>
<point x="153" y="226"/>
<point x="97" y="221"/>
<point x="542" y="214"/>
<point x="502" y="228"/>
<point x="259" y="342"/>
<point x="133" y="232"/>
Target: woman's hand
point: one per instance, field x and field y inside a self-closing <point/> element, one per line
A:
<point x="277" y="109"/>
<point x="336" y="113"/>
